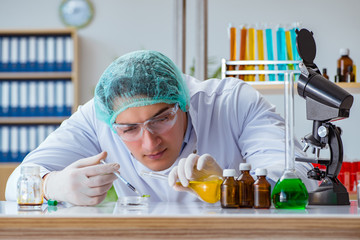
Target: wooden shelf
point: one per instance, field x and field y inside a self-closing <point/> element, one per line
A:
<point x="31" y="120"/>
<point x="35" y="75"/>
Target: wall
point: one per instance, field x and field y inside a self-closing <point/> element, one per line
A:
<point x="121" y="26"/>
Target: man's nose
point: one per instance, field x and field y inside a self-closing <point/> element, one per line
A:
<point x="150" y="140"/>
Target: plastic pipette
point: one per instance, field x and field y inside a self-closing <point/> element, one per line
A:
<point x="154" y="175"/>
<point x="124" y="181"/>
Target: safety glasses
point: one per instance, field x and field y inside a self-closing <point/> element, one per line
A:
<point x="156" y="125"/>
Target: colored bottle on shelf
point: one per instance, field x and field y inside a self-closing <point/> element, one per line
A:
<point x="262" y="190"/>
<point x="343" y="63"/>
<point x="325" y="73"/>
<point x="229" y="197"/>
<point x="246" y="186"/>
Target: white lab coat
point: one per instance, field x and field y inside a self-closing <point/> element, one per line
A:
<point x="231" y="121"/>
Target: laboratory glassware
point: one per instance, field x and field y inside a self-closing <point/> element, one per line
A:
<point x="289" y="191"/>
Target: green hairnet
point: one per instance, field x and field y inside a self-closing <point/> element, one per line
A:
<point x="137" y="79"/>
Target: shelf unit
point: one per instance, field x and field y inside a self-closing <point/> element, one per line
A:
<point x="270" y="87"/>
<point x="29" y="74"/>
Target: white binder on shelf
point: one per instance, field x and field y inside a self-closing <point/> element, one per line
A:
<point x="60" y="53"/>
<point x="69" y="53"/>
<point x="33" y="141"/>
<point x="5" y="143"/>
<point x="23" y="99"/>
<point x="5" y="98"/>
<point x="32" y="98"/>
<point x="22" y="142"/>
<point x="69" y="97"/>
<point x="23" y="54"/>
<point x="14" y="53"/>
<point x="50" y="53"/>
<point x="41" y="49"/>
<point x="5" y="54"/>
<point x="14" y="99"/>
<point x="41" y="101"/>
<point x="41" y="134"/>
<point x="31" y="61"/>
<point x="14" y="143"/>
<point x="50" y="98"/>
<point x="60" y="98"/>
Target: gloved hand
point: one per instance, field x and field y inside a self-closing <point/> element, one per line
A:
<point x="194" y="167"/>
<point x="84" y="182"/>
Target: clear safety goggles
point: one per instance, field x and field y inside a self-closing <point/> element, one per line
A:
<point x="156" y="125"/>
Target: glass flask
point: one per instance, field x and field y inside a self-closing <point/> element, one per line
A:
<point x="29" y="189"/>
<point x="289" y="191"/>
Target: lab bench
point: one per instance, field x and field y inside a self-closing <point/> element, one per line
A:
<point x="166" y="220"/>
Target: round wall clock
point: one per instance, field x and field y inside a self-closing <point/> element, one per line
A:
<point x="76" y="13"/>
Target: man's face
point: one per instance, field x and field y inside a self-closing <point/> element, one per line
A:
<point x="156" y="151"/>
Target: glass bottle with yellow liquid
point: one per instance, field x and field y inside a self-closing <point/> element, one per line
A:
<point x="208" y="189"/>
<point x="289" y="191"/>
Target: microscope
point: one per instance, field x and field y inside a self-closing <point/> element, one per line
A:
<point x="326" y="102"/>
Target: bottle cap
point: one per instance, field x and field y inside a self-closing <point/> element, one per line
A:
<point x="245" y="166"/>
<point x="229" y="172"/>
<point x="261" y="172"/>
<point x="344" y="51"/>
<point x="30" y="169"/>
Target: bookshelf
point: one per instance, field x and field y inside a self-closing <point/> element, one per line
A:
<point x="38" y="87"/>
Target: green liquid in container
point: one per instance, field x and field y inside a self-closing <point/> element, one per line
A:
<point x="290" y="193"/>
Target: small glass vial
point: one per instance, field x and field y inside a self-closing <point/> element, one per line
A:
<point x="262" y="190"/>
<point x="246" y="186"/>
<point x="29" y="189"/>
<point x="229" y="197"/>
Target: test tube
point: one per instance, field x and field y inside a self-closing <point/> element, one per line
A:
<point x="232" y="33"/>
<point x="251" y="38"/>
<point x="289" y="49"/>
<point x="281" y="50"/>
<point x="260" y="45"/>
<point x="270" y="51"/>
<point x="242" y="57"/>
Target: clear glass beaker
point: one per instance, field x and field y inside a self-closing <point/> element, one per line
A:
<point x="289" y="191"/>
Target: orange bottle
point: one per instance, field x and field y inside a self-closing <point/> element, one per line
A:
<point x="229" y="190"/>
<point x="262" y="190"/>
<point x="246" y="186"/>
<point x="343" y="63"/>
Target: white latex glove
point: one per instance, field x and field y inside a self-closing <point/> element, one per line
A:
<point x="194" y="167"/>
<point x="84" y="182"/>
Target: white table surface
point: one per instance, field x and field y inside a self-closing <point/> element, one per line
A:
<point x="174" y="210"/>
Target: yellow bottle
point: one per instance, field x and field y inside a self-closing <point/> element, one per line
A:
<point x="208" y="189"/>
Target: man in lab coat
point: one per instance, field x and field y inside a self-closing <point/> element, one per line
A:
<point x="147" y="116"/>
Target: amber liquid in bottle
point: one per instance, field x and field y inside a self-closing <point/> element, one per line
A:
<point x="229" y="191"/>
<point x="343" y="63"/>
<point x="246" y="190"/>
<point x="262" y="193"/>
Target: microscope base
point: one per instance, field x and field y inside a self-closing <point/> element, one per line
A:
<point x="329" y="194"/>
